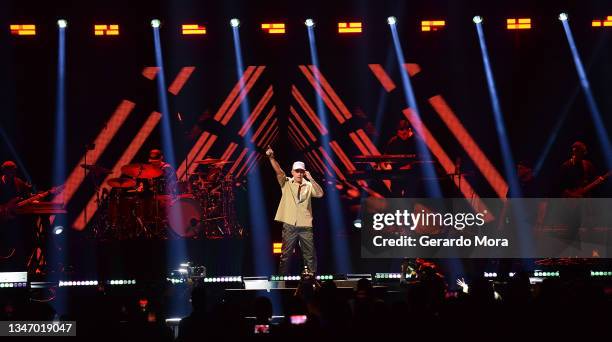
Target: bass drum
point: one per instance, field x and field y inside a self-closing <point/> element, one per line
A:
<point x="185" y="216"/>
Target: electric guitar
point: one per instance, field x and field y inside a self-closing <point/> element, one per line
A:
<point x="580" y="192"/>
<point x="7" y="210"/>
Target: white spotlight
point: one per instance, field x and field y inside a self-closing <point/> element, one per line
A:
<point x="155" y="23"/>
<point x="391" y="20"/>
<point x="357" y="223"/>
<point x="309" y="22"/>
<point x="477" y="19"/>
<point x="62" y="23"/>
<point x="235" y="22"/>
<point x="57" y="230"/>
<point x="563" y="16"/>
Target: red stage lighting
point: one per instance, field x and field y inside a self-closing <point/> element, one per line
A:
<point x="432" y="25"/>
<point x="105" y="136"/>
<point x="23" y="30"/>
<point x="518" y="24"/>
<point x="106" y="30"/>
<point x="273" y="28"/>
<point x="352" y="27"/>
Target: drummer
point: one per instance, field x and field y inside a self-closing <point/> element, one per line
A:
<point x="167" y="182"/>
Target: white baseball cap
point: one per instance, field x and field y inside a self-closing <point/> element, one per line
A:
<point x="298" y="165"/>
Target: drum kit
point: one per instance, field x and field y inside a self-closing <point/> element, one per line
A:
<point x="144" y="204"/>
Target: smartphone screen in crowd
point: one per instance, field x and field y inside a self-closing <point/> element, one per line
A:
<point x="298" y="319"/>
<point x="262" y="329"/>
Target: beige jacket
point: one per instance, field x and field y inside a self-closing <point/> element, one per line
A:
<point x="291" y="210"/>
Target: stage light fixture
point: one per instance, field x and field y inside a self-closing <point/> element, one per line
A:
<point x="352" y="27"/>
<point x="563" y="16"/>
<point x="309" y="22"/>
<point x="57" y="230"/>
<point x="391" y="20"/>
<point x="235" y="22"/>
<point x="193" y="29"/>
<point x="602" y="23"/>
<point x="23" y="30"/>
<point x="224" y="279"/>
<point x="379" y="276"/>
<point x="518" y="24"/>
<point x="357" y="223"/>
<point x="273" y="28"/>
<point x="62" y="23"/>
<point x="106" y="30"/>
<point x="277" y="247"/>
<point x="432" y="25"/>
<point x="477" y="19"/>
<point x="155" y="23"/>
<point x="121" y="282"/>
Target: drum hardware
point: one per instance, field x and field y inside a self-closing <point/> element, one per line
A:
<point x="96" y="174"/>
<point x="122" y="183"/>
<point x="99" y="170"/>
<point x="187" y="272"/>
<point x="202" y="208"/>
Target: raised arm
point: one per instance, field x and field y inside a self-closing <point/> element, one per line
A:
<point x="280" y="174"/>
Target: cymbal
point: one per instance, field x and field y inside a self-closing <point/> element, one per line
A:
<point x="208" y="161"/>
<point x="224" y="162"/>
<point x="96" y="169"/>
<point x="384" y="157"/>
<point x="140" y="170"/>
<point x="121" y="183"/>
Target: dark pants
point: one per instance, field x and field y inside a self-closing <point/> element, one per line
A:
<point x="291" y="235"/>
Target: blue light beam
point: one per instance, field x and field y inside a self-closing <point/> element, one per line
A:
<point x="600" y="129"/>
<point x="508" y="160"/>
<point x="518" y="211"/>
<point x="176" y="251"/>
<point x="262" y="245"/>
<point x="431" y="187"/>
<point x="342" y="260"/>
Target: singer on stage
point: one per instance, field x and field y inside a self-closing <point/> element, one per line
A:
<point x="295" y="212"/>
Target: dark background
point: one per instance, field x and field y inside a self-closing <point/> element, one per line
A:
<point x="534" y="72"/>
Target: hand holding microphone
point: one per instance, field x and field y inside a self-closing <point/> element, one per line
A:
<point x="270" y="152"/>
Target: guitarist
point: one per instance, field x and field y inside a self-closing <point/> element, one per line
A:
<point x="576" y="172"/>
<point x="575" y="176"/>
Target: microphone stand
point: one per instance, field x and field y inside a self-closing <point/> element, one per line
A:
<point x="90" y="147"/>
<point x="186" y="175"/>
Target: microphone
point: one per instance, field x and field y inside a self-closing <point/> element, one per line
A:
<point x="180" y="118"/>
